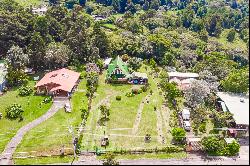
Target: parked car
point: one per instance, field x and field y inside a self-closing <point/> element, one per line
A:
<point x="67" y="107"/>
<point x="187" y="125"/>
<point x="185" y="114"/>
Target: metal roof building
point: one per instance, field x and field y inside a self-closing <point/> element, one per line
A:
<point x="238" y="105"/>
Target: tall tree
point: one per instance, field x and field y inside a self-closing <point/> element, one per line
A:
<point x="54" y="2"/>
<point x="78" y="40"/>
<point x="101" y="41"/>
<point x="16" y="60"/>
<point x="57" y="55"/>
<point x="36" y="51"/>
<point x="237" y="81"/>
<point x="213" y="25"/>
<point x="15" y="23"/>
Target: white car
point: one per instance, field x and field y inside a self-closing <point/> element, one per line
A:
<point x="187" y="125"/>
<point x="67" y="107"/>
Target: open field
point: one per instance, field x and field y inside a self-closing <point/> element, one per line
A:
<point x="44" y="160"/>
<point x="32" y="110"/>
<point x="27" y="3"/>
<point x="123" y="116"/>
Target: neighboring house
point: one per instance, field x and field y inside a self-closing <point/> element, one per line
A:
<point x="3" y="72"/>
<point x="98" y="17"/>
<point x="138" y="78"/>
<point x="39" y="11"/>
<point x="117" y="71"/>
<point x="107" y="62"/>
<point x="29" y="71"/>
<point x="182" y="76"/>
<point x="58" y="83"/>
<point x="238" y="105"/>
<point x="183" y="80"/>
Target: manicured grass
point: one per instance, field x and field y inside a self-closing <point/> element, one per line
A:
<point x="27" y="3"/>
<point x="32" y="110"/>
<point x="178" y="155"/>
<point x="110" y="26"/>
<point x="122" y="117"/>
<point x="51" y="135"/>
<point x="44" y="160"/>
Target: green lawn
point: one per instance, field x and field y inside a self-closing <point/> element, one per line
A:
<point x="27" y="3"/>
<point x="178" y="155"/>
<point x="44" y="160"/>
<point x="122" y="117"/>
<point x="110" y="26"/>
<point x="32" y="110"/>
<point x="50" y="136"/>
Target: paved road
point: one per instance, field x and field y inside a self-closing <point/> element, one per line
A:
<point x="184" y="162"/>
<point x="193" y="159"/>
<point x="6" y="156"/>
<point x="188" y="161"/>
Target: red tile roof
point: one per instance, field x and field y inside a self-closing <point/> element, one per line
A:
<point x="64" y="78"/>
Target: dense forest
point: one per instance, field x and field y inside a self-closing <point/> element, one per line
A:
<point x="205" y="36"/>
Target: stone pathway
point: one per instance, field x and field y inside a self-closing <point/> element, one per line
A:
<point x="6" y="156"/>
<point x="138" y="116"/>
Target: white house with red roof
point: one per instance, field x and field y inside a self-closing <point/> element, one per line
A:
<point x="58" y="83"/>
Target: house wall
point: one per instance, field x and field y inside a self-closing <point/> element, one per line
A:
<point x="2" y="85"/>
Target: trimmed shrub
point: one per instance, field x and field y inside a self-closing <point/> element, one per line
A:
<point x="232" y="149"/>
<point x="202" y="128"/>
<point x="25" y="91"/>
<point x="140" y="91"/>
<point x="47" y="99"/>
<point x="178" y="134"/>
<point x="118" y="98"/>
<point x="130" y="94"/>
<point x="14" y="111"/>
<point x="135" y="91"/>
<point x="212" y="145"/>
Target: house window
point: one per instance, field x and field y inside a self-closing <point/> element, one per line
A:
<point x="118" y="71"/>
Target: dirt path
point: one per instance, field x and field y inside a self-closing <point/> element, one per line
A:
<point x="138" y="116"/>
<point x="159" y="124"/>
<point x="103" y="101"/>
<point x="165" y="112"/>
<point x="6" y="156"/>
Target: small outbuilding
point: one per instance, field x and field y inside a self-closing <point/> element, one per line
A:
<point x="107" y="62"/>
